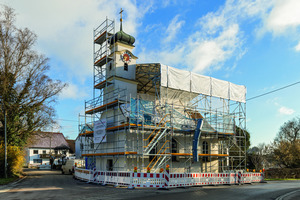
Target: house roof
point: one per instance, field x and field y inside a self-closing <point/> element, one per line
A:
<point x="50" y="140"/>
<point x="71" y="145"/>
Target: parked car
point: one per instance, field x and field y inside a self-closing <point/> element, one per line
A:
<point x="69" y="165"/>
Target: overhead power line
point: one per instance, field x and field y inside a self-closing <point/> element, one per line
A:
<point x="273" y="91"/>
<point x="255" y="97"/>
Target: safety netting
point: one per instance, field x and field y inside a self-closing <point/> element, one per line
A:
<point x="145" y="112"/>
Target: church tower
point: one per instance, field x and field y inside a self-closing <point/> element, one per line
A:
<point x="114" y="84"/>
<point x="121" y="69"/>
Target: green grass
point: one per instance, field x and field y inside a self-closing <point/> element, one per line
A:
<point x="281" y="179"/>
<point x="4" y="181"/>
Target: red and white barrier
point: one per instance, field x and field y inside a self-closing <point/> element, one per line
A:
<point x="233" y="178"/>
<point x="247" y="177"/>
<point x="222" y="178"/>
<point x="208" y="179"/>
<point x="157" y="180"/>
<point x="166" y="180"/>
<point x="240" y="178"/>
<point x="83" y="174"/>
<point x="257" y="178"/>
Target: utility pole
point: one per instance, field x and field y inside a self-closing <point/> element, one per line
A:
<point x="5" y="138"/>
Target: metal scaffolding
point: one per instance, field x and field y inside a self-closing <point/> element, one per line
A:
<point x="159" y="125"/>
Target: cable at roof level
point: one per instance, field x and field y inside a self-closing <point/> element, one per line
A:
<point x="273" y="91"/>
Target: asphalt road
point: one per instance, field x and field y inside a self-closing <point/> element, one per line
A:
<point x="46" y="184"/>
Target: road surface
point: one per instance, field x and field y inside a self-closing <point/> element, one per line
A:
<point x="46" y="185"/>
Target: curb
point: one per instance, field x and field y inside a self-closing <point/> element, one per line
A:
<point x="9" y="186"/>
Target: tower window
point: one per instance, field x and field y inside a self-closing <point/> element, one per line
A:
<point x="125" y="66"/>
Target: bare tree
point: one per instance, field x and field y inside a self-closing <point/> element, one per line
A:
<point x="259" y="156"/>
<point x="286" y="146"/>
<point x="27" y="94"/>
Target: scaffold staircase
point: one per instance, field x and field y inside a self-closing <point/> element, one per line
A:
<point x="158" y="136"/>
<point x="160" y="158"/>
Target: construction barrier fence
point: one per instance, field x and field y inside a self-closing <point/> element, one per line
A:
<point x="165" y="180"/>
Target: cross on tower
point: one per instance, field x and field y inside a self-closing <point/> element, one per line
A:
<point x="121" y="19"/>
<point x="121" y="15"/>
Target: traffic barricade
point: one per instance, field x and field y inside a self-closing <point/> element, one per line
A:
<point x="208" y="179"/>
<point x="247" y="177"/>
<point x="156" y="180"/>
<point x="233" y="178"/>
<point x="83" y="174"/>
<point x="222" y="178"/>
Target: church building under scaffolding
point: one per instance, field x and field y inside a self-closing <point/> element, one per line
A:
<point x="150" y="115"/>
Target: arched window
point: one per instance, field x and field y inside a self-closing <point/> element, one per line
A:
<point x="153" y="151"/>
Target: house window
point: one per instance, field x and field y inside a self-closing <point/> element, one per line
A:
<point x="56" y="152"/>
<point x="35" y="151"/>
<point x="37" y="160"/>
<point x="205" y="147"/>
<point x="174" y="150"/>
<point x="109" y="165"/>
<point x="205" y="150"/>
<point x="44" y="151"/>
<point x="125" y="67"/>
<point x="81" y="146"/>
<point x="110" y="66"/>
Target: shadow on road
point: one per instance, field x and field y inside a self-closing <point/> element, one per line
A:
<point x="40" y="172"/>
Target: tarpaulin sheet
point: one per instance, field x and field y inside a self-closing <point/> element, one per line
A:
<point x="192" y="82"/>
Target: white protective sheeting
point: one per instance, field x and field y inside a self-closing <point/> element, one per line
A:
<point x="164" y="75"/>
<point x="237" y="92"/>
<point x="219" y="88"/>
<point x="179" y="79"/>
<point x="100" y="131"/>
<point x="200" y="84"/>
<point x="192" y="82"/>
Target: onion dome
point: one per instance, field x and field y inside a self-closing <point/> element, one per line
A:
<point x="122" y="37"/>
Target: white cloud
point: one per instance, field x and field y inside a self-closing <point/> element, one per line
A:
<point x="284" y="16"/>
<point x="210" y="52"/>
<point x="65" y="28"/>
<point x="72" y="92"/>
<point x="173" y="28"/>
<point x="283" y="19"/>
<point x="219" y="36"/>
<point x="297" y="47"/>
<point x="217" y="39"/>
<point x="286" y="111"/>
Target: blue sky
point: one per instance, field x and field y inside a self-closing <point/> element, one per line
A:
<point x="255" y="43"/>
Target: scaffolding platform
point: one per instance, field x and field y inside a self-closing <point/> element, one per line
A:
<point x="103" y="107"/>
<point x="102" y="84"/>
<point x="102" y="61"/>
<point x="103" y="37"/>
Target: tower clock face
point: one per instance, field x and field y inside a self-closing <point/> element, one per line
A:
<point x="126" y="58"/>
